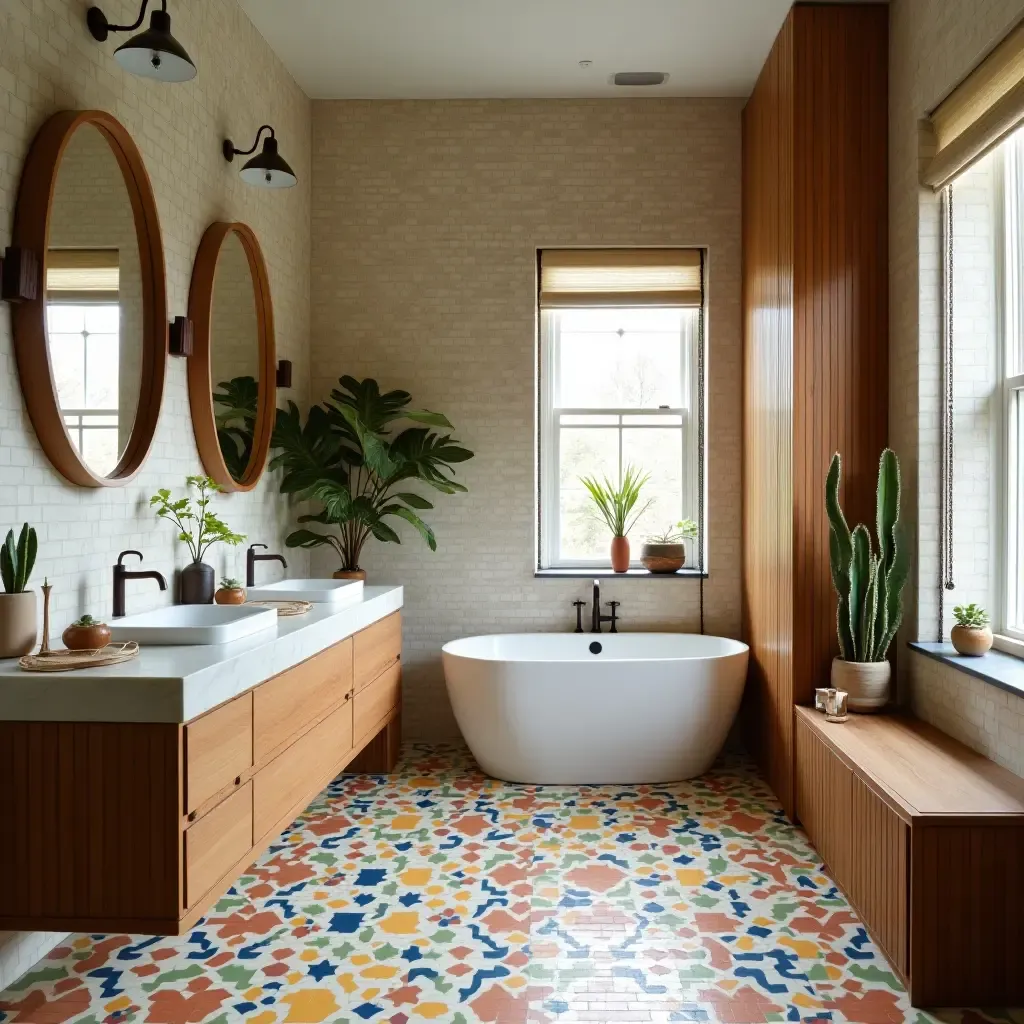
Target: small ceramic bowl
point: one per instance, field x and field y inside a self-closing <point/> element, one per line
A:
<point x="86" y="638"/>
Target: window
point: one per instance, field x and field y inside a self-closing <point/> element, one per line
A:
<point x="621" y="365"/>
<point x="83" y="332"/>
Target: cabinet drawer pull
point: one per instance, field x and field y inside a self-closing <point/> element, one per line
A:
<point x="238" y="780"/>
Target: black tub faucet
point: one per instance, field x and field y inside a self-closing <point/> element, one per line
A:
<point x="596" y="618"/>
<point x="121" y="574"/>
<point x="251" y="558"/>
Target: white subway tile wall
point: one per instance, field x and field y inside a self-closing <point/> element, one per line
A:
<point x="427" y="217"/>
<point x="49" y="62"/>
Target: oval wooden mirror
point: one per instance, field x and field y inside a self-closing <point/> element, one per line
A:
<point x="232" y="386"/>
<point x="91" y="347"/>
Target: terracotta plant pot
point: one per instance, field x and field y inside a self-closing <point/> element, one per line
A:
<point x="86" y="638"/>
<point x="230" y="595"/>
<point x="974" y="641"/>
<point x="663" y="557"/>
<point x="866" y="682"/>
<point x="198" y="582"/>
<point x="350" y="574"/>
<point x="620" y="554"/>
<point x="18" y="629"/>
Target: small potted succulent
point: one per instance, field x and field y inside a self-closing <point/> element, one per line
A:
<point x="199" y="528"/>
<point x="614" y="505"/>
<point x="86" y="634"/>
<point x="18" y="628"/>
<point x="666" y="552"/>
<point x="231" y="592"/>
<point x="971" y="635"/>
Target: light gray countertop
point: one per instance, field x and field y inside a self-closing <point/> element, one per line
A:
<point x="177" y="684"/>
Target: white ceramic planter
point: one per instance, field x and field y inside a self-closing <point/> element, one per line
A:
<point x="866" y="682"/>
<point x="18" y="628"/>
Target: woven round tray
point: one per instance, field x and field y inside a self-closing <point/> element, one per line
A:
<point x="284" y="607"/>
<point x="68" y="661"/>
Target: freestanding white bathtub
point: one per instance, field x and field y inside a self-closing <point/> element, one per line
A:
<point x="595" y="708"/>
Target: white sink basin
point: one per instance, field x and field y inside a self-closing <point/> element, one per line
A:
<point x="193" y="624"/>
<point x="332" y="592"/>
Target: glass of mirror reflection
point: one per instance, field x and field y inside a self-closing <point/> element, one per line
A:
<point x="94" y="311"/>
<point x="234" y="355"/>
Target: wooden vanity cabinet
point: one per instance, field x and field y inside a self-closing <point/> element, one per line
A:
<point x="140" y="827"/>
<point x="926" y="838"/>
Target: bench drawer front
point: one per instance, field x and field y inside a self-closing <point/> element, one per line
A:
<point x="283" y="706"/>
<point x="375" y="702"/>
<point x="218" y="749"/>
<point x="216" y="843"/>
<point x="377" y="648"/>
<point x="284" y="787"/>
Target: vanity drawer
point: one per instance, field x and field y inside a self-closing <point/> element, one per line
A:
<point x="375" y="702"/>
<point x="297" y="774"/>
<point x="285" y="704"/>
<point x="216" y="843"/>
<point x="218" y="749"/>
<point x="376" y="648"/>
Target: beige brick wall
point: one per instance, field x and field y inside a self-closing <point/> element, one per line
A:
<point x="933" y="45"/>
<point x="48" y="62"/>
<point x="427" y="217"/>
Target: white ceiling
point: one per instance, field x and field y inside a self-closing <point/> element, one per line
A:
<point x="421" y="49"/>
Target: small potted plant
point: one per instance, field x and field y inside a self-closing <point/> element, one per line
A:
<point x="199" y="528"/>
<point x="86" y="634"/>
<point x="971" y="635"/>
<point x="615" y="505"/>
<point x="18" y="627"/>
<point x="666" y="552"/>
<point x="869" y="585"/>
<point x="231" y="592"/>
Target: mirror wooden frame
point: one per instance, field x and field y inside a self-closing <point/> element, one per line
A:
<point x="32" y="232"/>
<point x="200" y="376"/>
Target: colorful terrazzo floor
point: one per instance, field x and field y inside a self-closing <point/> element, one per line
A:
<point x="438" y="894"/>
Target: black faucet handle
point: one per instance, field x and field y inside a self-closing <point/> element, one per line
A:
<point x="613" y="604"/>
<point x="578" y="603"/>
<point x="579" y="606"/>
<point x="253" y="547"/>
<point x="130" y="551"/>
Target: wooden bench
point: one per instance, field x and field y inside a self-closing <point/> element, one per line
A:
<point x="926" y="839"/>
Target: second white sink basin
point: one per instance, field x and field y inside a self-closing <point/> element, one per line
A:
<point x="332" y="592"/>
<point x="193" y="624"/>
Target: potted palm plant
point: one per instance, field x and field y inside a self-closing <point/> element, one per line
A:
<point x="349" y="459"/>
<point x="200" y="528"/>
<point x="17" y="603"/>
<point x="614" y="506"/>
<point x="869" y="585"/>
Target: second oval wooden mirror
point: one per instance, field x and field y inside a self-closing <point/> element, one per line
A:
<point x="231" y="373"/>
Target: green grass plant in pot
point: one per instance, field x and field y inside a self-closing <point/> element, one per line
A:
<point x="972" y="634"/>
<point x="614" y="505"/>
<point x="349" y="459"/>
<point x="18" y="626"/>
<point x="869" y="585"/>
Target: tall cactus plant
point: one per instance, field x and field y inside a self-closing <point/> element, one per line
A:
<point x="869" y="585"/>
<point x="18" y="559"/>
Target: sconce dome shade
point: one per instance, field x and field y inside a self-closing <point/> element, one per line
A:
<point x="269" y="169"/>
<point x="156" y="54"/>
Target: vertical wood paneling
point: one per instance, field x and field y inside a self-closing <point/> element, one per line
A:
<point x="823" y="790"/>
<point x="815" y="343"/>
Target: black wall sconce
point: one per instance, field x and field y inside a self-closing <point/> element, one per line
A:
<point x="179" y="337"/>
<point x="284" y="373"/>
<point x="269" y="169"/>
<point x="19" y="275"/>
<point x="154" y="53"/>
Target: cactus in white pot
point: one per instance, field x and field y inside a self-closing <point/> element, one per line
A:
<point x="18" y="627"/>
<point x="870" y="587"/>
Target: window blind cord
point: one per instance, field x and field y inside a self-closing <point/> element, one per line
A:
<point x="946" y="579"/>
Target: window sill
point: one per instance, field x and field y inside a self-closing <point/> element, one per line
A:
<point x="1006" y="671"/>
<point x="606" y="573"/>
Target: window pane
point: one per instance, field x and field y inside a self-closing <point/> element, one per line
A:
<point x="67" y="357"/>
<point x="99" y="450"/>
<point x="652" y="421"/>
<point x="102" y="319"/>
<point x="101" y="356"/>
<point x="64" y="319"/>
<point x="584" y="452"/>
<point x="658" y="452"/>
<point x="620" y="358"/>
<point x="568" y="420"/>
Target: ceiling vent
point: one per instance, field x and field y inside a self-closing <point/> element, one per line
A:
<point x="639" y="78"/>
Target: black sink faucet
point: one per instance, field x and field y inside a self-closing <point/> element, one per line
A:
<point x="121" y="574"/>
<point x="596" y="618"/>
<point x="251" y="558"/>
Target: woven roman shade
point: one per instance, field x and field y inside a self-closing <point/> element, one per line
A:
<point x="581" y="278"/>
<point x="980" y="112"/>
<point x="83" y="275"/>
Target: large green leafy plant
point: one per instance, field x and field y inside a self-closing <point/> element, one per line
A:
<point x="869" y="585"/>
<point x="235" y="404"/>
<point x="348" y="458"/>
